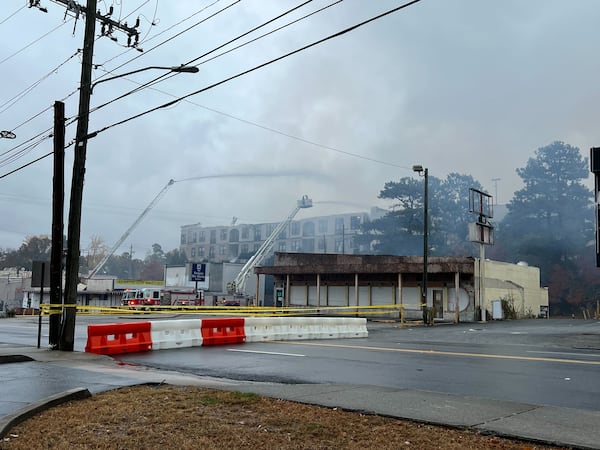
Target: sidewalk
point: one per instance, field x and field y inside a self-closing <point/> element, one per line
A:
<point x="33" y="379"/>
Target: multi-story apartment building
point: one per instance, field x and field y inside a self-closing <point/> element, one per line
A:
<point x="323" y="234"/>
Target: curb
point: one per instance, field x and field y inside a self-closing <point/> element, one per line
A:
<point x="7" y="359"/>
<point x="9" y="421"/>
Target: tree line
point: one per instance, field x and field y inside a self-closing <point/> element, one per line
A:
<point x="151" y="267"/>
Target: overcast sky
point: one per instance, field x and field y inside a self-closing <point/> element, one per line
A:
<point x="467" y="86"/>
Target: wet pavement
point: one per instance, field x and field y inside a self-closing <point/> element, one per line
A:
<point x="33" y="379"/>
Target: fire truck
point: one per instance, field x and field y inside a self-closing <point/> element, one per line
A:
<point x="142" y="298"/>
<point x="182" y="297"/>
<point x="138" y="298"/>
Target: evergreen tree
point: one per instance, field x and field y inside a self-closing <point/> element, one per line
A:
<point x="400" y="231"/>
<point x="550" y="221"/>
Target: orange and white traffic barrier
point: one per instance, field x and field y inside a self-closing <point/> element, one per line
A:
<point x="131" y="337"/>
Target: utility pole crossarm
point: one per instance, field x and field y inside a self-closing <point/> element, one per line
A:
<point x="104" y="19"/>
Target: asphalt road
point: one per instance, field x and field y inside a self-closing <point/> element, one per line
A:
<point x="544" y="362"/>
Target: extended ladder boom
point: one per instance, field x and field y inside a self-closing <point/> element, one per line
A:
<point x="265" y="248"/>
<point x="130" y="229"/>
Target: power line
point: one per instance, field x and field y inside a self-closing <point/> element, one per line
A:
<point x="25" y="142"/>
<point x="34" y="41"/>
<point x="264" y="127"/>
<point x="166" y="76"/>
<point x="31" y="118"/>
<point x="253" y="69"/>
<point x="29" y="163"/>
<point x="221" y="46"/>
<point x="17" y="11"/>
<point x="15" y="99"/>
<point x="185" y="97"/>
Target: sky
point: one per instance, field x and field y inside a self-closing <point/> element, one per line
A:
<point x="465" y="86"/>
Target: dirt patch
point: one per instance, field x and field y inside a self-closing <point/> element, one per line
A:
<point x="175" y="417"/>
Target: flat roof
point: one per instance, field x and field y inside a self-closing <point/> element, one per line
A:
<point x="307" y="263"/>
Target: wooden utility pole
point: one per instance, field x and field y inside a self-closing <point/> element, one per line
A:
<point x="67" y="337"/>
<point x="67" y="326"/>
<point x="58" y="199"/>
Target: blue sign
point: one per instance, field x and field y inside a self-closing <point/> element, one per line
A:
<point x="198" y="272"/>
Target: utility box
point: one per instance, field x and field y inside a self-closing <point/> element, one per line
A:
<point x="497" y="313"/>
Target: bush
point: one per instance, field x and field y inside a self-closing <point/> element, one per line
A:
<point x="508" y="307"/>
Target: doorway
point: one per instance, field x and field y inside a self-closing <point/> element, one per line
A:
<point x="438" y="303"/>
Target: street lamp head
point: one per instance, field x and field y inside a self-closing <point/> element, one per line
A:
<point x="185" y="69"/>
<point x="177" y="69"/>
<point x="418" y="168"/>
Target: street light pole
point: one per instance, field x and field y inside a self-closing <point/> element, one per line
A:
<point x="420" y="170"/>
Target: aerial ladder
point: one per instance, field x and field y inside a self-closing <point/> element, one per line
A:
<point x="114" y="248"/>
<point x="240" y="281"/>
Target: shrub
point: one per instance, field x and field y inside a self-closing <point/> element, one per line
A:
<point x="508" y="307"/>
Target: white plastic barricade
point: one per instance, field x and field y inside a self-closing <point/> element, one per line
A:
<point x="259" y="329"/>
<point x="175" y="333"/>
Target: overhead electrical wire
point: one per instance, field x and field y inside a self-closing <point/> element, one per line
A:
<point x="27" y="150"/>
<point x="148" y="51"/>
<point x="300" y="139"/>
<point x="264" y="127"/>
<point x="17" y="11"/>
<point x="31" y="118"/>
<point x="49" y="130"/>
<point x="170" y="75"/>
<point x="72" y="120"/>
<point x="155" y="80"/>
<point x="185" y="97"/>
<point x="253" y="69"/>
<point x="15" y="99"/>
<point x="28" y="164"/>
<point x="34" y="41"/>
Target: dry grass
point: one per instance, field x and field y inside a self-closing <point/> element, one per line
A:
<point x="172" y="417"/>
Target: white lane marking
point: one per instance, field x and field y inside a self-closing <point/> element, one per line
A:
<point x="565" y="353"/>
<point x="265" y="353"/>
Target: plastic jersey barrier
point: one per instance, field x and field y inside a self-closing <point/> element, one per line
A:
<point x="114" y="338"/>
<point x="260" y="329"/>
<point x="223" y="331"/>
<point x="176" y="333"/>
<point x="132" y="337"/>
